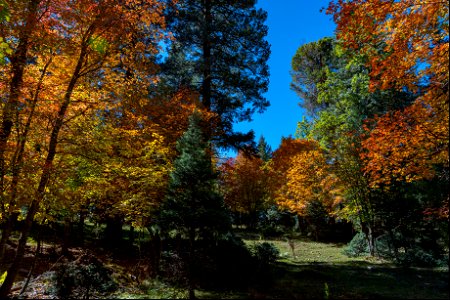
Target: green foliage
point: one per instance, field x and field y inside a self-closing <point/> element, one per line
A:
<point x="326" y="291"/>
<point x="83" y="278"/>
<point x="193" y="203"/>
<point x="265" y="252"/>
<point x="221" y="52"/>
<point x="3" y="277"/>
<point x="270" y="221"/>
<point x="264" y="150"/>
<point x="303" y="130"/>
<point x="4" y="48"/>
<point x="357" y="246"/>
<point x="5" y="14"/>
<point x="310" y="67"/>
<point x="98" y="44"/>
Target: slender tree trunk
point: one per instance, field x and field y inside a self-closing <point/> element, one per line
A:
<point x="207" y="80"/>
<point x="16" y="164"/>
<point x="81" y="226"/>
<point x="18" y="62"/>
<point x="6" y="233"/>
<point x="191" y="281"/>
<point x="367" y="229"/>
<point x="45" y="176"/>
<point x="36" y="255"/>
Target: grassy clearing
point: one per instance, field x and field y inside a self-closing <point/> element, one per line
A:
<point x="320" y="270"/>
<point x="305" y="269"/>
<point x="305" y="252"/>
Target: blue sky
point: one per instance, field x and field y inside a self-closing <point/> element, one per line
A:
<point x="292" y="23"/>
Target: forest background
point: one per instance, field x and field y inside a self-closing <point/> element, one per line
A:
<point x="98" y="126"/>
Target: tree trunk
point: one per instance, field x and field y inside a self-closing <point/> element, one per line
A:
<point x="36" y="255"/>
<point x="191" y="281"/>
<point x="18" y="62"/>
<point x="6" y="233"/>
<point x="45" y="177"/>
<point x="81" y="227"/>
<point x="17" y="164"/>
<point x="66" y="237"/>
<point x="113" y="231"/>
<point x="206" y="47"/>
<point x="367" y="229"/>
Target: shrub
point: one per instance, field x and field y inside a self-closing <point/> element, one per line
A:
<point x="83" y="278"/>
<point x="357" y="246"/>
<point x="265" y="253"/>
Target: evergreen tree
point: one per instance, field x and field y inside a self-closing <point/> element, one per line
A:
<point x="221" y="53"/>
<point x="264" y="149"/>
<point x="193" y="205"/>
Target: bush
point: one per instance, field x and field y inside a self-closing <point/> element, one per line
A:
<point x="265" y="253"/>
<point x="357" y="246"/>
<point x="384" y="246"/>
<point x="83" y="278"/>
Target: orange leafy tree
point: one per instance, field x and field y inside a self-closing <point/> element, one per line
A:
<point x="282" y="161"/>
<point x="244" y="187"/>
<point x="87" y="38"/>
<point x="407" y="45"/>
<point x="308" y="178"/>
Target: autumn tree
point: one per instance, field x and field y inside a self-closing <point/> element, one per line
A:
<point x="418" y="48"/>
<point x="244" y="183"/>
<point x="88" y="42"/>
<point x="334" y="86"/>
<point x="220" y="52"/>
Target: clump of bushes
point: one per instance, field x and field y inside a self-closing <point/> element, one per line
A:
<point x="396" y="249"/>
<point x="83" y="278"/>
<point x="265" y="253"/>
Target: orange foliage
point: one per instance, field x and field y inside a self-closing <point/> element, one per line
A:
<point x="407" y="46"/>
<point x="409" y="32"/>
<point x="244" y="183"/>
<point x="300" y="175"/>
<point x="405" y="145"/>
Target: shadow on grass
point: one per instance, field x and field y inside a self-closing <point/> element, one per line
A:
<point x="360" y="280"/>
<point x="350" y="280"/>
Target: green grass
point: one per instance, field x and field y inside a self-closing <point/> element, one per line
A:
<point x="306" y="252"/>
<point x="322" y="270"/>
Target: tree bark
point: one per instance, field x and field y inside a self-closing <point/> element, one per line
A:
<point x="6" y="233"/>
<point x="191" y="281"/>
<point x="18" y="62"/>
<point x="46" y="174"/>
<point x="16" y="164"/>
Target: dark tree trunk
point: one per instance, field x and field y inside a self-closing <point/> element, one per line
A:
<point x="113" y="231"/>
<point x="131" y="235"/>
<point x="191" y="281"/>
<point x="6" y="233"/>
<point x="66" y="237"/>
<point x="18" y="62"/>
<point x="81" y="227"/>
<point x="367" y="229"/>
<point x="45" y="177"/>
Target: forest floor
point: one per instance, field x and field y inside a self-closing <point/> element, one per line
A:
<point x="307" y="270"/>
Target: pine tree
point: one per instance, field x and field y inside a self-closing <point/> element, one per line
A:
<point x="193" y="205"/>
<point x="264" y="149"/>
<point x="220" y="52"/>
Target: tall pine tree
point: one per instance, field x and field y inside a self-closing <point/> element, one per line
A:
<point x="221" y="53"/>
<point x="193" y="206"/>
